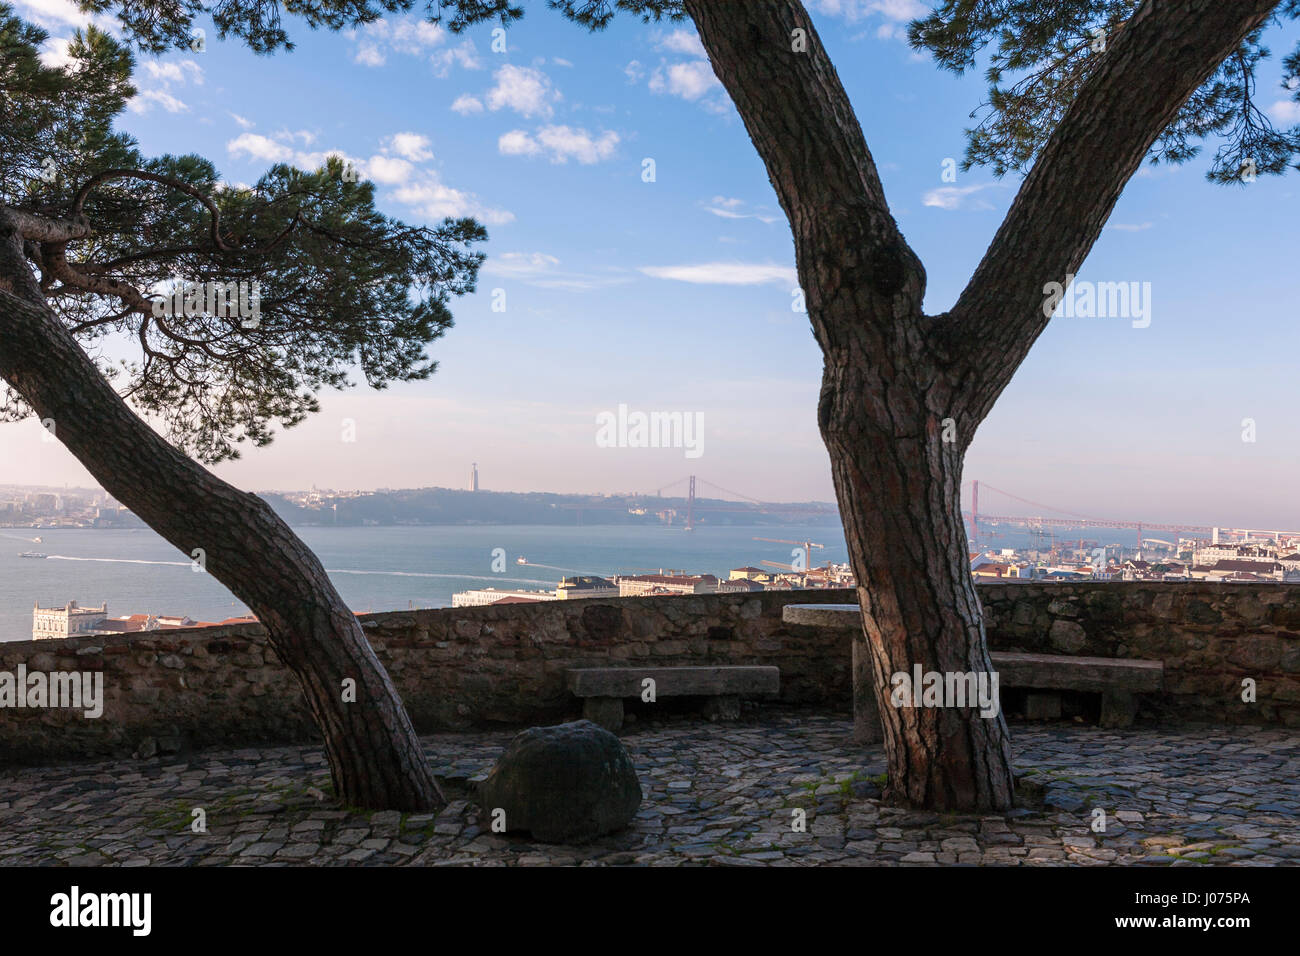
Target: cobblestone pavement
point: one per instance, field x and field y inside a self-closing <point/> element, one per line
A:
<point x="720" y="794"/>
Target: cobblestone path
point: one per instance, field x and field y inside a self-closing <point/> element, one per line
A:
<point x="717" y="794"/>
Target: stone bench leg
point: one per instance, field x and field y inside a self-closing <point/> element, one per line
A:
<point x="1118" y="708"/>
<point x="605" y="711"/>
<point x="723" y="707"/>
<point x="1042" y="705"/>
<point x="866" y="715"/>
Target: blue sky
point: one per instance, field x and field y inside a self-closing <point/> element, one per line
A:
<point x="675" y="295"/>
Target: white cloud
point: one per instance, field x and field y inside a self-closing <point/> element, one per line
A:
<point x="560" y="144"/>
<point x="54" y="53"/>
<point x="686" y="42"/>
<point x="954" y="197"/>
<point x="726" y="273"/>
<point x="306" y="135"/>
<point x="726" y="208"/>
<point x="517" y="143"/>
<point x="464" y="55"/>
<point x="411" y="36"/>
<point x="856" y="10"/>
<point x="434" y="199"/>
<point x="146" y="100"/>
<point x="689" y="80"/>
<point x="388" y="170"/>
<point x="53" y="13"/>
<point x="561" y="61"/>
<point x="467" y="103"/>
<point x="1285" y="111"/>
<point x="243" y="123"/>
<point x="1131" y="226"/>
<point x="520" y="264"/>
<point x="410" y="146"/>
<point x="174" y="71"/>
<point x="540" y="269"/>
<point x="523" y="89"/>
<point x="165" y="75"/>
<point x="257" y="146"/>
<point x="369" y="54"/>
<point x="634" y="71"/>
<point x="896" y="14"/>
<point x="420" y="189"/>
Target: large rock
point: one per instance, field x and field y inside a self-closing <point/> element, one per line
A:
<point x="563" y="784"/>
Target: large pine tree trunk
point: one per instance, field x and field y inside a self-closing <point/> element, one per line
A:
<point x="375" y="757"/>
<point x="898" y="485"/>
<point x="895" y="376"/>
<point x="885" y="392"/>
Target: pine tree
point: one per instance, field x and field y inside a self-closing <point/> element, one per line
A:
<point x="244" y="303"/>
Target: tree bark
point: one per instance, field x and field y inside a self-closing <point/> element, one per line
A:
<point x="884" y="398"/>
<point x="902" y="392"/>
<point x="375" y="757"/>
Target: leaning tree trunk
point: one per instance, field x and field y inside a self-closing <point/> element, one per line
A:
<point x="375" y="757"/>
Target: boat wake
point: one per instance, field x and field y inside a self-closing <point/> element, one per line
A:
<point x="398" y="574"/>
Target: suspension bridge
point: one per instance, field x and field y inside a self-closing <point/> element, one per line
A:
<point x="1041" y="516"/>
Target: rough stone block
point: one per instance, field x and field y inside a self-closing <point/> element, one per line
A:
<point x="565" y="784"/>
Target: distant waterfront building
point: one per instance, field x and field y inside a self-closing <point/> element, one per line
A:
<point x="642" y="585"/>
<point x="72" y="620"/>
<point x="480" y="597"/>
<point x="586" y="586"/>
<point x="68" y="621"/>
<point x="473" y="477"/>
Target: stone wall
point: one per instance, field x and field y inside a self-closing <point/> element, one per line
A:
<point x="467" y="667"/>
<point x="455" y="668"/>
<point x="1209" y="636"/>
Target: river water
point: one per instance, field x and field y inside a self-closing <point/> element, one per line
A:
<point x="375" y="568"/>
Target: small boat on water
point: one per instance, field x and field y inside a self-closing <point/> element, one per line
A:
<point x="521" y="560"/>
<point x="33" y="554"/>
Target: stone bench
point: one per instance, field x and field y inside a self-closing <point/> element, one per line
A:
<point x="1118" y="680"/>
<point x="602" y="689"/>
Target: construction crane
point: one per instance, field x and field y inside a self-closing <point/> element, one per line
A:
<point x="807" y="551"/>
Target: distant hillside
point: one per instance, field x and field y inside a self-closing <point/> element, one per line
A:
<point x="442" y="506"/>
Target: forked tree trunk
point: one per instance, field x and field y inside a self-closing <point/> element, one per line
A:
<point x="375" y="757"/>
<point x="896" y="379"/>
<point x="898" y="485"/>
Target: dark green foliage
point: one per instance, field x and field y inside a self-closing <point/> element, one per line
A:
<point x="1040" y="52"/>
<point x="341" y="285"/>
<point x="158" y="25"/>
